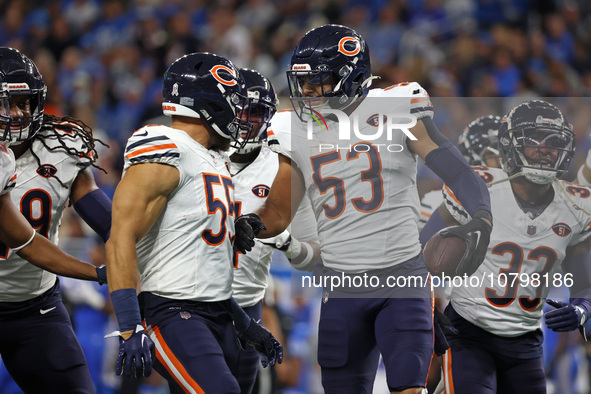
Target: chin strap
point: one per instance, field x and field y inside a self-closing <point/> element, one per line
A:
<point x="516" y="175"/>
<point x="367" y="83"/>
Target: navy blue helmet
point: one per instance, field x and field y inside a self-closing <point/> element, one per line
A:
<point x="22" y="78"/>
<point x="205" y="86"/>
<point x="536" y="139"/>
<point x="480" y="136"/>
<point x="261" y="106"/>
<point x="333" y="56"/>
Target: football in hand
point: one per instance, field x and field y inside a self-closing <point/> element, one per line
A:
<point x="443" y="255"/>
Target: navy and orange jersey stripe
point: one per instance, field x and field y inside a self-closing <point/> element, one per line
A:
<point x="150" y="148"/>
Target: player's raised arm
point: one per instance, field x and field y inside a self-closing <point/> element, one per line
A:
<point x="443" y="158"/>
<point x="446" y="161"/>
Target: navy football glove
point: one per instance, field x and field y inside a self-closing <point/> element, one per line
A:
<point x="247" y="227"/>
<point x="135" y="354"/>
<point x="101" y="273"/>
<point x="566" y="317"/>
<point x="476" y="234"/>
<point x="442" y="326"/>
<point x="269" y="348"/>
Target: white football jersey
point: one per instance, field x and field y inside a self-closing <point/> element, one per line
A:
<point x="187" y="254"/>
<point x="42" y="200"/>
<point x="253" y="183"/>
<point x="429" y="204"/>
<point x="521" y="249"/>
<point x="363" y="194"/>
<point x="7" y="170"/>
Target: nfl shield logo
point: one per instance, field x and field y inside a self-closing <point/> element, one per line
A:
<point x="175" y="89"/>
<point x="325" y="297"/>
<point x="185" y="315"/>
<point x="531" y="229"/>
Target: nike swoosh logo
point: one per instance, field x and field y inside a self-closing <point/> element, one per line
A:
<point x="141" y="135"/>
<point x="143" y="339"/>
<point x="44" y="311"/>
<point x="258" y="321"/>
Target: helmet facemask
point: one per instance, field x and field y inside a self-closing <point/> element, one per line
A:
<point x="253" y="120"/>
<point x="30" y="102"/>
<point x="541" y="153"/>
<point x="326" y="85"/>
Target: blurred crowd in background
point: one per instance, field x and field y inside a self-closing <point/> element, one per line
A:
<point x="103" y="62"/>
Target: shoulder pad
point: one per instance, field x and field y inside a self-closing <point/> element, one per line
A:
<point x="150" y="144"/>
<point x="420" y="103"/>
<point x="279" y="133"/>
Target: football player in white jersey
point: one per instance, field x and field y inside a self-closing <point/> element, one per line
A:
<point x="52" y="159"/>
<point x="173" y="223"/>
<point x="253" y="168"/>
<point x="538" y="220"/>
<point x="16" y="232"/>
<point x="367" y="208"/>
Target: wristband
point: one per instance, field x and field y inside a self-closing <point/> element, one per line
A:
<point x="18" y="248"/>
<point x="307" y="260"/>
<point x="294" y="249"/>
<point x="126" y="308"/>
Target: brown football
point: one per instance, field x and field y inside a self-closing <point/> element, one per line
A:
<point x="442" y="255"/>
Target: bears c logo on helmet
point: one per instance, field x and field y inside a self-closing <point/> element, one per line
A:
<point x="215" y="71"/>
<point x="349" y="46"/>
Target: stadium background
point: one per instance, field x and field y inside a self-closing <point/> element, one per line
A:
<point x="103" y="63"/>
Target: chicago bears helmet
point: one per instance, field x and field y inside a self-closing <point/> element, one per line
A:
<point x="536" y="139"/>
<point x="206" y="86"/>
<point x="22" y="78"/>
<point x="334" y="56"/>
<point x="480" y="136"/>
<point x="261" y="106"/>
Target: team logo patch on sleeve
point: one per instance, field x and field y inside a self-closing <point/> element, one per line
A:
<point x="46" y="170"/>
<point x="261" y="191"/>
<point x="561" y="229"/>
<point x="374" y="120"/>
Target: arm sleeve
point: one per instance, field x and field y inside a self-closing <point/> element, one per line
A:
<point x="470" y="190"/>
<point x="95" y="209"/>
